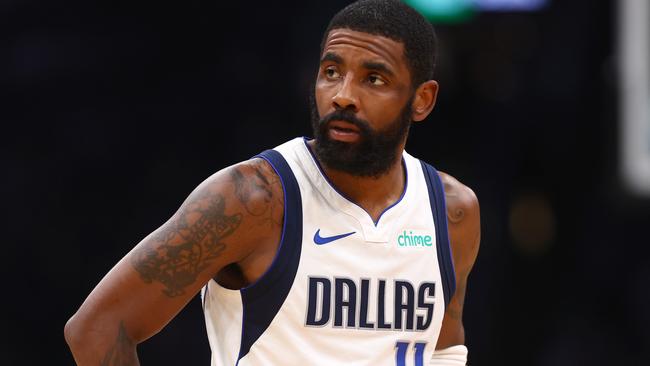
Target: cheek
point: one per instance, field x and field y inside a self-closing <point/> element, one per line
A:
<point x="382" y="112"/>
<point x="322" y="98"/>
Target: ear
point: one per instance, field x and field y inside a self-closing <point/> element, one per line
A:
<point x="424" y="100"/>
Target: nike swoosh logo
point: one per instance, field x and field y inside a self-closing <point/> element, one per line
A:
<point x="328" y="239"/>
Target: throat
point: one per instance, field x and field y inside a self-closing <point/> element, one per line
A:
<point x="374" y="194"/>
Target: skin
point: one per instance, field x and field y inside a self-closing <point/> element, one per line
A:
<point x="229" y="227"/>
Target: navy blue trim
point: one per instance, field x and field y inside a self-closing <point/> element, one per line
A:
<point x="262" y="300"/>
<point x="327" y="179"/>
<point x="439" y="210"/>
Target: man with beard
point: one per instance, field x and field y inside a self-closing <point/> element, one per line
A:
<point x="328" y="251"/>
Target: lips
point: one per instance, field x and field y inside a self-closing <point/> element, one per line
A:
<point x="344" y="126"/>
<point x="343" y="131"/>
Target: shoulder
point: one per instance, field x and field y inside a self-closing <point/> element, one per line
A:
<point x="254" y="180"/>
<point x="248" y="181"/>
<point x="249" y="192"/>
<point x="464" y="223"/>
<point x="462" y="203"/>
<point x="257" y="190"/>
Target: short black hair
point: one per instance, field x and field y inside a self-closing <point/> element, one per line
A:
<point x="397" y="21"/>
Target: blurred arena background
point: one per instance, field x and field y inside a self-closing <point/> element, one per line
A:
<point x="113" y="111"/>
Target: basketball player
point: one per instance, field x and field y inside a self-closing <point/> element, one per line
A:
<point x="342" y="249"/>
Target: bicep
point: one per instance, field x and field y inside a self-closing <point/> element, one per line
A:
<point x="156" y="279"/>
<point x="166" y="269"/>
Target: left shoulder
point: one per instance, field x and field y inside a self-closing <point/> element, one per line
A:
<point x="462" y="202"/>
<point x="464" y="222"/>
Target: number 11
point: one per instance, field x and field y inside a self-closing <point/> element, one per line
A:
<point x="402" y="347"/>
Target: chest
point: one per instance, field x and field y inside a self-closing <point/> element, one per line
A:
<point x="360" y="275"/>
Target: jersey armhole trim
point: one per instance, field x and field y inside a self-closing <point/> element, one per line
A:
<point x="443" y="247"/>
<point x="262" y="300"/>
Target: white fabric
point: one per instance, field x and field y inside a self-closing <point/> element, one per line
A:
<point x="450" y="356"/>
<point x="374" y="255"/>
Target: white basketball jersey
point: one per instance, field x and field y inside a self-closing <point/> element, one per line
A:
<point x="342" y="289"/>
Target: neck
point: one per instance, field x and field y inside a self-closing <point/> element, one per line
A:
<point x="373" y="194"/>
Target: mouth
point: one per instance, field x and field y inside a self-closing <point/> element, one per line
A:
<point x="343" y="131"/>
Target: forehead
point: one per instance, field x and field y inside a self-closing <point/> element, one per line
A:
<point x="371" y="45"/>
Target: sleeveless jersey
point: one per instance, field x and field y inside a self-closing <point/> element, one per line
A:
<point x="342" y="289"/>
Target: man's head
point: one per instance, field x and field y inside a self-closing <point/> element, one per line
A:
<point x="374" y="79"/>
<point x="395" y="20"/>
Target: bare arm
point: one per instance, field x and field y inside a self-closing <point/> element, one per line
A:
<point x="464" y="235"/>
<point x="225" y="220"/>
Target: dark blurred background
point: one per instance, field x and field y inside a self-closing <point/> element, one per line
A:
<point x="113" y="111"/>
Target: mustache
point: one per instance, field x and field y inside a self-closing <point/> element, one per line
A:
<point x="347" y="116"/>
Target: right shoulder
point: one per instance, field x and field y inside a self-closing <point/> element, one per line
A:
<point x="247" y="188"/>
<point x="252" y="190"/>
<point x="258" y="191"/>
<point x="233" y="215"/>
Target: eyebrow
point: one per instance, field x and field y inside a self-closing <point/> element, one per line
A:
<point x="333" y="57"/>
<point x="370" y="65"/>
<point x="378" y="66"/>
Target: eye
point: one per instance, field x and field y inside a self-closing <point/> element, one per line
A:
<point x="375" y="79"/>
<point x="332" y="73"/>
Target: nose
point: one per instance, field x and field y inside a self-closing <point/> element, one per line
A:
<point x="346" y="98"/>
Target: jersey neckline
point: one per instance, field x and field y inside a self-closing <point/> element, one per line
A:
<point x="347" y="199"/>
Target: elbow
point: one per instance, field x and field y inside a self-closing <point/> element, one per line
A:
<point x="81" y="334"/>
<point x="87" y="338"/>
<point x="73" y="333"/>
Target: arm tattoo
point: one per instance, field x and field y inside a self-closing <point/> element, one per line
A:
<point x="122" y="353"/>
<point x="255" y="188"/>
<point x="187" y="245"/>
<point x="245" y="188"/>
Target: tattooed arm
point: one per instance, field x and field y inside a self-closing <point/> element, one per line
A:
<point x="234" y="217"/>
<point x="464" y="235"/>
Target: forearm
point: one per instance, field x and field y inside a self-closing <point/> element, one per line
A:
<point x="105" y="345"/>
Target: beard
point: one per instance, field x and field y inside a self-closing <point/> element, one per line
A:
<point x="375" y="152"/>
